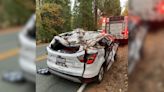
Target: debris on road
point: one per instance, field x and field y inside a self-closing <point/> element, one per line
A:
<point x="43" y="71"/>
<point x="13" y="76"/>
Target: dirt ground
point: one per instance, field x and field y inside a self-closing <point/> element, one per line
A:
<point x="148" y="75"/>
<point x="11" y="29"/>
<point x="116" y="79"/>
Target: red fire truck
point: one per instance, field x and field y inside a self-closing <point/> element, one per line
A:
<point x="117" y="26"/>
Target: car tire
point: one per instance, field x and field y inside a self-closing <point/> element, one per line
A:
<point x="100" y="75"/>
<point x="115" y="57"/>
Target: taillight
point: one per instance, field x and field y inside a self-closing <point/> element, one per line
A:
<point x="123" y="32"/>
<point x="160" y="8"/>
<point x="104" y="20"/>
<point x="91" y="58"/>
<point x="81" y="58"/>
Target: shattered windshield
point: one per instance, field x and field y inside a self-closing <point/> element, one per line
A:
<point x="90" y="35"/>
<point x="75" y="41"/>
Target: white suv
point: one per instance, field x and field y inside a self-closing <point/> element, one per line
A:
<point x="28" y="50"/>
<point x="81" y="56"/>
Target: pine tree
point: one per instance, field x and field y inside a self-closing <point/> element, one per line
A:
<point x="15" y="12"/>
<point x="110" y="7"/>
<point x="84" y="15"/>
<point x="53" y="17"/>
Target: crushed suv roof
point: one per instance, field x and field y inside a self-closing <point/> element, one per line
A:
<point x="81" y="39"/>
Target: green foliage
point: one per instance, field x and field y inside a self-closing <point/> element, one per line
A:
<point x="65" y="12"/>
<point x="15" y="12"/>
<point x="53" y="18"/>
<point x="110" y="7"/>
<point x="83" y="16"/>
<point x="83" y="12"/>
<point x="48" y="20"/>
<point x="50" y="15"/>
<point x="75" y="16"/>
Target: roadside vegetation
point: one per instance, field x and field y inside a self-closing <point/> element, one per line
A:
<point x="58" y="16"/>
<point x="15" y="12"/>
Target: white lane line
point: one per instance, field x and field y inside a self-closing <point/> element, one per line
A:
<point x="82" y="87"/>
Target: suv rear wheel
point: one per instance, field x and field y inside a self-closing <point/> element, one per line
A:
<point x="100" y="76"/>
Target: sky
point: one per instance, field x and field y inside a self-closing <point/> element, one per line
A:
<point x="122" y="3"/>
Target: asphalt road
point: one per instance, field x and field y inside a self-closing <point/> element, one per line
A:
<point x="9" y="54"/>
<point x="51" y="83"/>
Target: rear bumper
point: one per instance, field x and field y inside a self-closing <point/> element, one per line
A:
<point x="27" y="66"/>
<point x="90" y="71"/>
<point x="78" y="79"/>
